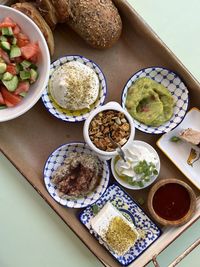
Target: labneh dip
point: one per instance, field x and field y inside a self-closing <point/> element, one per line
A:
<point x="78" y="175"/>
<point x="74" y="86"/>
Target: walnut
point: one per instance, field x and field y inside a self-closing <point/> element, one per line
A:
<point x="106" y="124"/>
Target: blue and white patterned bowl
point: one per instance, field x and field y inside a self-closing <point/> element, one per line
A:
<point x="61" y="113"/>
<point x="177" y="88"/>
<point x="148" y="230"/>
<point x="56" y="159"/>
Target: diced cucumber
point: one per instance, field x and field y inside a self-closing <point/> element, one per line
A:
<point x="7" y="31"/>
<point x="25" y="64"/>
<point x="12" y="84"/>
<point x="7" y="76"/>
<point x="25" y="75"/>
<point x="14" y="41"/>
<point x="15" y="51"/>
<point x="3" y="38"/>
<point x="3" y="67"/>
<point x="23" y="94"/>
<point x="2" y="107"/>
<point x="5" y="45"/>
<point x="34" y="75"/>
<point x="18" y="68"/>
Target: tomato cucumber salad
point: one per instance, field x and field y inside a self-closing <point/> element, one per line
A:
<point x="18" y="63"/>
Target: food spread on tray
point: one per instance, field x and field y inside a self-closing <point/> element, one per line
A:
<point x="114" y="229"/>
<point x="18" y="58"/>
<point x="78" y="175"/>
<point x="140" y="167"/>
<point x="108" y="126"/>
<point x="149" y="102"/>
<point x="74" y="86"/>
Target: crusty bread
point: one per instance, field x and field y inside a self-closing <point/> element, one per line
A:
<point x="96" y="21"/>
<point x="29" y="10"/>
<point x="48" y="12"/>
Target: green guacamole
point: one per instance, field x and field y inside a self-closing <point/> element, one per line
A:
<point x="149" y="102"/>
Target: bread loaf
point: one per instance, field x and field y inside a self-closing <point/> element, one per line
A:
<point x="96" y="21"/>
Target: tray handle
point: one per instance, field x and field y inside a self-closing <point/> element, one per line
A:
<point x="180" y="257"/>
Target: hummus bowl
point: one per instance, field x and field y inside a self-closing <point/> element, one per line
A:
<point x="57" y="158"/>
<point x="59" y="111"/>
<point x="175" y="86"/>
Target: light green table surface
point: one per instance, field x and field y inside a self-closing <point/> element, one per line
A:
<point x="31" y="234"/>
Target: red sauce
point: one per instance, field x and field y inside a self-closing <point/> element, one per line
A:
<point x="171" y="201"/>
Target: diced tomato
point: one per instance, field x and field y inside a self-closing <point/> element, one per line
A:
<point x="10" y="98"/>
<point x="16" y="30"/>
<point x="30" y="50"/>
<point x="22" y="39"/>
<point x="34" y="59"/>
<point x="17" y="59"/>
<point x="8" y="104"/>
<point x="11" y="68"/>
<point x="5" y="56"/>
<point x="145" y="109"/>
<point x="7" y="22"/>
<point x="2" y="102"/>
<point x="22" y="87"/>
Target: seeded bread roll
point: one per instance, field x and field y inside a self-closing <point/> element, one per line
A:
<point x="96" y="21"/>
<point x="29" y="10"/>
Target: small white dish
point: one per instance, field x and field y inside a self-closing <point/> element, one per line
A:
<point x="36" y="89"/>
<point x="146" y="184"/>
<point x="109" y="106"/>
<point x="179" y="152"/>
<point x="176" y="87"/>
<point x="55" y="160"/>
<point x="71" y="116"/>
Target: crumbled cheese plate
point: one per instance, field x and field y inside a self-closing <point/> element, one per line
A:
<point x="114" y="229"/>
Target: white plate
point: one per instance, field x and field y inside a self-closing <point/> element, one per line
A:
<point x="56" y="159"/>
<point x="179" y="152"/>
<point x="176" y="87"/>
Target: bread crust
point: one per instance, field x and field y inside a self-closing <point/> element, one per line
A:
<point x="96" y="21"/>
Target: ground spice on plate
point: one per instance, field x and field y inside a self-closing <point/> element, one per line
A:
<point x="119" y="236"/>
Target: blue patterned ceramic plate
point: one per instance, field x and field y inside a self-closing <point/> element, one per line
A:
<point x="56" y="159"/>
<point x="71" y="116"/>
<point x="147" y="229"/>
<point x="177" y="88"/>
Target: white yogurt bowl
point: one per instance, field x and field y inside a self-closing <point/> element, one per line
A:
<point x="152" y="179"/>
<point x="106" y="155"/>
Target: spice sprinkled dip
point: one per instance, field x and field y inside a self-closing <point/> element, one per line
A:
<point x="74" y="86"/>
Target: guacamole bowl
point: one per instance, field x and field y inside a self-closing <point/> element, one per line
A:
<point x="156" y="98"/>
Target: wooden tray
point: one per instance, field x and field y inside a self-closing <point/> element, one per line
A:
<point x="28" y="140"/>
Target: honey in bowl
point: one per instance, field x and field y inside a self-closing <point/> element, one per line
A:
<point x="171" y="201"/>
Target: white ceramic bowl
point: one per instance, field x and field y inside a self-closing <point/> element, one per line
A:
<point x="34" y="33"/>
<point x="109" y="106"/>
<point x="123" y="183"/>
